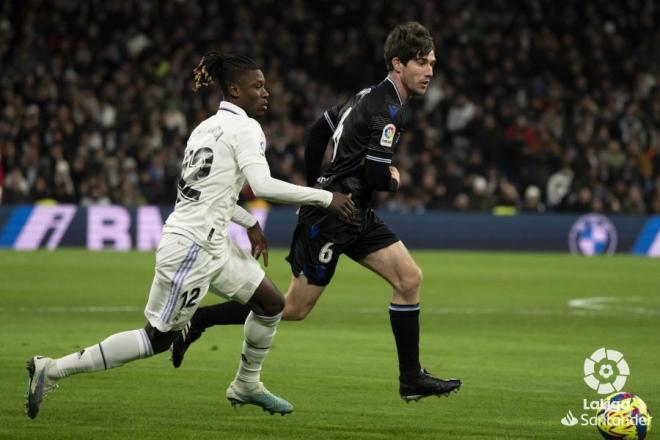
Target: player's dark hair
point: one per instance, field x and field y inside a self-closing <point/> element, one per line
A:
<point x="223" y="68"/>
<point x="407" y="41"/>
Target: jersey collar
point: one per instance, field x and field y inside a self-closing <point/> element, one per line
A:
<point x="387" y="78"/>
<point x="232" y="108"/>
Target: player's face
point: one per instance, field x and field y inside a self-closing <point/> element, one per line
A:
<point x="416" y="74"/>
<point x="253" y="93"/>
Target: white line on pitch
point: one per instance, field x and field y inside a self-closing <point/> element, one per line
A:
<point x="613" y="304"/>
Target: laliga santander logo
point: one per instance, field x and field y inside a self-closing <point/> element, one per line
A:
<point x="606" y="371"/>
<point x="387" y="139"/>
<point x="569" y="420"/>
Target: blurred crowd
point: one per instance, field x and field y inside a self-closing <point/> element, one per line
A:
<point x="535" y="106"/>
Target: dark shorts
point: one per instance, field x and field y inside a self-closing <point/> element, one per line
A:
<point x="320" y="238"/>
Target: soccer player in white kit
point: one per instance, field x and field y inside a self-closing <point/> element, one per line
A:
<point x="195" y="254"/>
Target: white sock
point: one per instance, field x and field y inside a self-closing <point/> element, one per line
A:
<point x="259" y="334"/>
<point x="114" y="351"/>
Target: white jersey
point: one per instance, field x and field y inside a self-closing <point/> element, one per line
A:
<point x="211" y="177"/>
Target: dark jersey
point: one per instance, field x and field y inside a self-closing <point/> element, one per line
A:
<point x="365" y="132"/>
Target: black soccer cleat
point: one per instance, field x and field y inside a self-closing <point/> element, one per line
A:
<point x="425" y="385"/>
<point x="187" y="336"/>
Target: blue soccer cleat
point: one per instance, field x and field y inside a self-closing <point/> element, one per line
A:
<point x="239" y="394"/>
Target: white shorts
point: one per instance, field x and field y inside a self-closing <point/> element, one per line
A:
<point x="185" y="272"/>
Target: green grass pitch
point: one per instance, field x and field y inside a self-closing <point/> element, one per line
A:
<point x="501" y="322"/>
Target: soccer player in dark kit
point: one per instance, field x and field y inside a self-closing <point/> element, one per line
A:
<point x="364" y="133"/>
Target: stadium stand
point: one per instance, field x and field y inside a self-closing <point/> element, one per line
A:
<point x="535" y="106"/>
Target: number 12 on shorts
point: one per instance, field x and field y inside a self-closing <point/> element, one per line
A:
<point x="189" y="302"/>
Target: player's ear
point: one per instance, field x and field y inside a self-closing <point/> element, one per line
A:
<point x="234" y="90"/>
<point x="397" y="64"/>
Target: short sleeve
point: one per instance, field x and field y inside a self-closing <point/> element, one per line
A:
<point x="383" y="133"/>
<point x="250" y="145"/>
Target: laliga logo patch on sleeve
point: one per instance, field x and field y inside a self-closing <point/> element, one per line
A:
<point x="387" y="138"/>
<point x="262" y="145"/>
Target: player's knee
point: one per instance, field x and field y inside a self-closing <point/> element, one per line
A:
<point x="274" y="306"/>
<point x="410" y="282"/>
<point x="420" y="276"/>
<point x="266" y="300"/>
<point x="294" y="312"/>
<point x="269" y="305"/>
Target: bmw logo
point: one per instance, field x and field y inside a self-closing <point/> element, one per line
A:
<point x="592" y="234"/>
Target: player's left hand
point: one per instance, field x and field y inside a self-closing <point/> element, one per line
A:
<point x="258" y="242"/>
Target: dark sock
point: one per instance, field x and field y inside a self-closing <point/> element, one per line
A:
<point x="226" y="313"/>
<point x="405" y="326"/>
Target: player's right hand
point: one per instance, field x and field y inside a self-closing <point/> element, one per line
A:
<point x="342" y="205"/>
<point x="395" y="174"/>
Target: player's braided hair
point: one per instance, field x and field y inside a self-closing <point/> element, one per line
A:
<point x="223" y="68"/>
<point x="407" y="41"/>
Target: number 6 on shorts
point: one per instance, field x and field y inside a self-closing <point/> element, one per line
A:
<point x="326" y="253"/>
